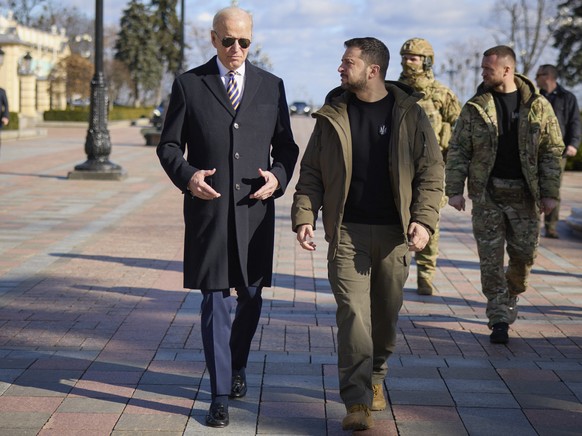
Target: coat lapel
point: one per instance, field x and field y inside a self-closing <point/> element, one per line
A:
<point x="252" y="85"/>
<point x="212" y="80"/>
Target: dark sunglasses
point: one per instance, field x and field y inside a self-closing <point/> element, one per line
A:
<point x="229" y="41"/>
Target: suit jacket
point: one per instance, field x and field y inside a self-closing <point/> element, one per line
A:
<point x="228" y="240"/>
<point x="3" y="106"/>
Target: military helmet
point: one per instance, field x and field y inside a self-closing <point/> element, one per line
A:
<point x="419" y="47"/>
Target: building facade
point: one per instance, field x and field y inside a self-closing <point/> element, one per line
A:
<point x="27" y="60"/>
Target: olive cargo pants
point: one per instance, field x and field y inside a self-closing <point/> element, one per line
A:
<point x="367" y="278"/>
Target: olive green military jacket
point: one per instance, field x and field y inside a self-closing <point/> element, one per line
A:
<point x="473" y="146"/>
<point x="415" y="164"/>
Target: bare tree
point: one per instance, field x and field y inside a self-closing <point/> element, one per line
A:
<point x="201" y="47"/>
<point x="79" y="73"/>
<point x="24" y="10"/>
<point x="460" y="68"/>
<point x="259" y="58"/>
<point x="119" y="80"/>
<point x="526" y="27"/>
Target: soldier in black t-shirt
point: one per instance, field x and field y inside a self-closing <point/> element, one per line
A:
<point x="507" y="144"/>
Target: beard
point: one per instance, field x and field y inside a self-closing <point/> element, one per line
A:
<point x="491" y="84"/>
<point x="356" y="84"/>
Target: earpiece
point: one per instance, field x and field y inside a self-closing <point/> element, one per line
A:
<point x="427" y="63"/>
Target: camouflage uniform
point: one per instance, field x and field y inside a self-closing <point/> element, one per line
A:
<point x="443" y="108"/>
<point x="505" y="211"/>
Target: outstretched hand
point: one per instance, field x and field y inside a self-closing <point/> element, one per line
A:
<point x="269" y="188"/>
<point x="198" y="186"/>
<point x="305" y="237"/>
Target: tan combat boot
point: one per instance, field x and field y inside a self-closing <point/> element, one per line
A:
<point x="378" y="402"/>
<point x="424" y="286"/>
<point x="358" y="418"/>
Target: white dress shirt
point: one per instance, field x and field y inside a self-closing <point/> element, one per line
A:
<point x="239" y="76"/>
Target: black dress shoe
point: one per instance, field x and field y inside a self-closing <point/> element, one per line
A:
<point x="239" y="386"/>
<point x="217" y="415"/>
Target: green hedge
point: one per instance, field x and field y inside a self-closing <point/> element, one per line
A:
<point x="13" y="123"/>
<point x="67" y="115"/>
<point x="130" y="113"/>
<point x="82" y="114"/>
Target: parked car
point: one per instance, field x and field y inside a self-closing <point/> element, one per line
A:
<point x="157" y="119"/>
<point x="158" y="114"/>
<point x="80" y="102"/>
<point x="299" y="108"/>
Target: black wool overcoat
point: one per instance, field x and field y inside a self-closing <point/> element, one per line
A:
<point x="228" y="240"/>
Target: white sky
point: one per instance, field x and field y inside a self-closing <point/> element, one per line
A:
<point x="304" y="38"/>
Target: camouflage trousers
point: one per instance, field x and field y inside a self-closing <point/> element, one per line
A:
<point x="426" y="259"/>
<point x="551" y="219"/>
<point x="508" y="216"/>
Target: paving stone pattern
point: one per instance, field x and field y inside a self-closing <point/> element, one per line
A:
<point x="98" y="337"/>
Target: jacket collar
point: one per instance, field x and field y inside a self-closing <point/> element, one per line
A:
<point x="560" y="90"/>
<point x="526" y="89"/>
<point x="337" y="99"/>
<point x="212" y="78"/>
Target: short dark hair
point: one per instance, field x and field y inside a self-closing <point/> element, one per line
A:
<point x="374" y="52"/>
<point x="502" y="51"/>
<point x="550" y="70"/>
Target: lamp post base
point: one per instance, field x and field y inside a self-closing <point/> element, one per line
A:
<point x="97" y="170"/>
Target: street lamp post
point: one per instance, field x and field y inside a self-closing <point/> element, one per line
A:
<point x="182" y="37"/>
<point x="477" y="68"/>
<point x="452" y="71"/>
<point x="97" y="143"/>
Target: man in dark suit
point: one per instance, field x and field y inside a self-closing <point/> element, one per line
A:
<point x="4" y="113"/>
<point x="232" y="119"/>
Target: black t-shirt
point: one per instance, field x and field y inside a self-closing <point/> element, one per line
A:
<point x="370" y="198"/>
<point x="507" y="162"/>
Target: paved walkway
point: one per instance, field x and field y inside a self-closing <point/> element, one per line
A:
<point x="98" y="337"/>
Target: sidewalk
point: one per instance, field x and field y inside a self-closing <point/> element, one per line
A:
<point x="98" y="337"/>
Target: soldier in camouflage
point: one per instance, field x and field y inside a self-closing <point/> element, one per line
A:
<point x="507" y="144"/>
<point x="442" y="107"/>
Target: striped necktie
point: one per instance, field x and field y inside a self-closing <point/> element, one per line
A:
<point x="233" y="91"/>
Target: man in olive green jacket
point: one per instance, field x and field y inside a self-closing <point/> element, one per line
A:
<point x="374" y="167"/>
<point x="508" y="145"/>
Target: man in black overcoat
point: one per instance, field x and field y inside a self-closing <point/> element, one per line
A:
<point x="4" y="113"/>
<point x="231" y="120"/>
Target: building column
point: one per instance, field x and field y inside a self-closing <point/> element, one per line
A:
<point x="43" y="102"/>
<point x="58" y="95"/>
<point x="28" y="95"/>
